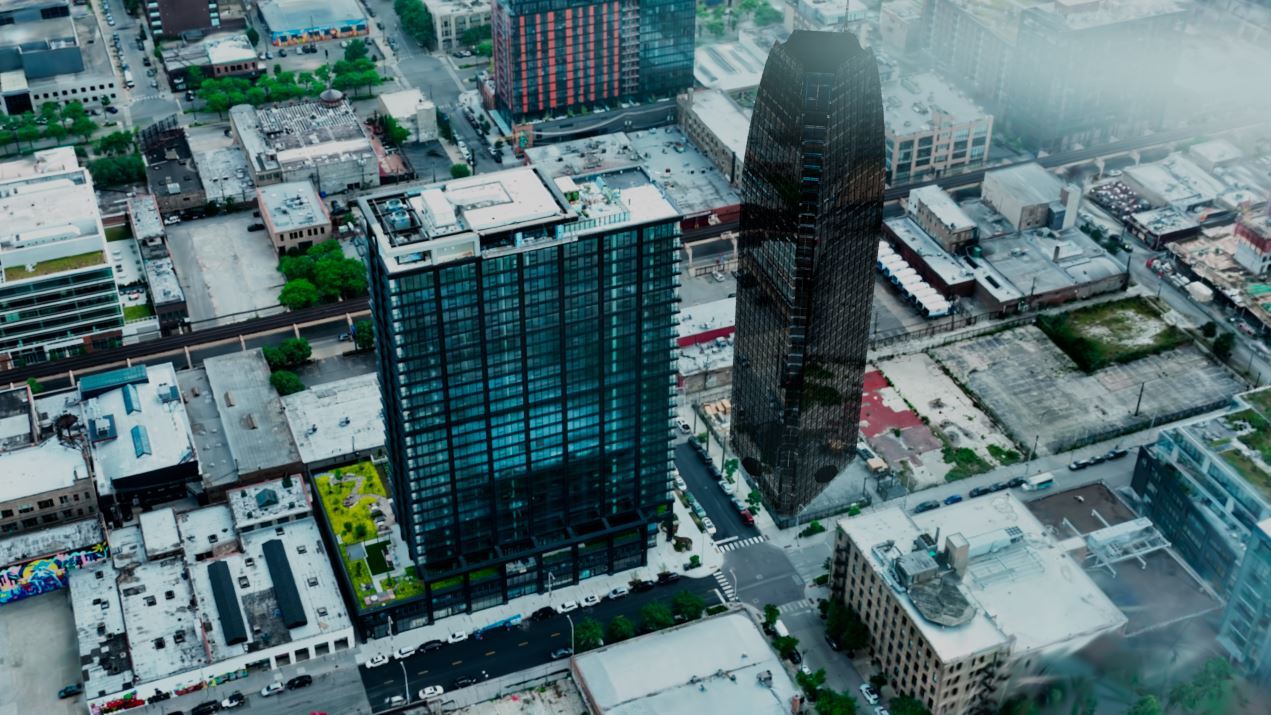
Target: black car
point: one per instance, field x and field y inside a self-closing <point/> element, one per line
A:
<point x="207" y="708"/>
<point x="464" y="681"/>
<point x="255" y="227"/>
<point x="1097" y="459"/>
<point x="834" y="645"/>
<point x="431" y="646"/>
<point x="795" y="657"/>
<point x="1116" y="453"/>
<point x="300" y="681"/>
<point x="70" y="691"/>
<point x="642" y="586"/>
<point x="997" y="486"/>
<point x="667" y="577"/>
<point x="926" y="506"/>
<point x="1015" y="483"/>
<point x="980" y="491"/>
<point x="543" y="613"/>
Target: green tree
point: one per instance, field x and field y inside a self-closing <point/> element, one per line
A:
<point x="811" y="682"/>
<point x="83" y="127"/>
<point x="845" y="626"/>
<point x="770" y="615"/>
<point x="274" y="357"/>
<point x="473" y="35"/>
<point x="73" y="110"/>
<point x="1146" y="705"/>
<point x="458" y="171"/>
<point x="298" y="294"/>
<point x="55" y="131"/>
<point x="785" y="645"/>
<point x="1224" y="345"/>
<point x="252" y="35"/>
<point x="830" y="702"/>
<point x="293" y="267"/>
<point x="766" y="15"/>
<point x="34" y="384"/>
<point x="336" y="276"/>
<point x="484" y="48"/>
<point x="905" y="705"/>
<point x="115" y="143"/>
<point x="296" y="351"/>
<point x="394" y="133"/>
<point x="688" y="605"/>
<point x="1209" y="329"/>
<point x="356" y="50"/>
<point x="363" y="335"/>
<point x="286" y="383"/>
<point x="656" y="616"/>
<point x="588" y="634"/>
<point x="620" y="629"/>
<point x="28" y="133"/>
<point x="1208" y="690"/>
<point x="111" y="171"/>
<point x="217" y="102"/>
<point x="256" y="96"/>
<point x="194" y="76"/>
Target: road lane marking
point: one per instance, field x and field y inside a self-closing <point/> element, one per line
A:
<point x="489" y="653"/>
<point x="554" y="635"/>
<point x="522" y="644"/>
<point x="423" y="672"/>
<point x="457" y="662"/>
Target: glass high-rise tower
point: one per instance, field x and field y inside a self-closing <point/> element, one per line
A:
<point x="812" y="204"/>
<point x="525" y="332"/>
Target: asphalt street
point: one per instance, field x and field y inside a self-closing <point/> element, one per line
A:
<point x="502" y="651"/>
<point x="144" y="103"/>
<point x="707" y="491"/>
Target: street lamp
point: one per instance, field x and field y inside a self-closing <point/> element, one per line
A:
<point x="571" y="634"/>
<point x="405" y="679"/>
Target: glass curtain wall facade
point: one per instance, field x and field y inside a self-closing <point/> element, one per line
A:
<point x="811" y="221"/>
<point x="527" y="399"/>
<point x="1246" y="625"/>
<point x="59" y="316"/>
<point x="551" y="56"/>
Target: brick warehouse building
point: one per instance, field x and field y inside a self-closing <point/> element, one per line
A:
<point x="555" y="55"/>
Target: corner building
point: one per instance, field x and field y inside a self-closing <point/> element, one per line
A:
<point x="525" y="330"/>
<point x="812" y="206"/>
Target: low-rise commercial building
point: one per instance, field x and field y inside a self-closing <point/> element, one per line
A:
<point x="1204" y="486"/>
<point x="52" y="51"/>
<point x="1174" y="181"/>
<point x="827" y="14"/>
<point x="941" y="217"/>
<point x="1027" y="195"/>
<point x="718" y="126"/>
<point x="173" y="18"/>
<point x="1157" y="227"/>
<point x="932" y="128"/>
<point x="960" y="623"/>
<point x="43" y="480"/>
<point x="222" y="55"/>
<point x="39" y="562"/>
<point x="900" y="22"/>
<point x="451" y="18"/>
<point x="139" y="438"/>
<point x="58" y="295"/>
<point x="248" y="417"/>
<point x="324" y="143"/>
<point x="171" y="173"/>
<point x="705" y="343"/>
<point x="191" y="600"/>
<point x="337" y="423"/>
<point x="412" y="111"/>
<point x="166" y="295"/>
<point x="295" y="217"/>
<point x="1253" y="243"/>
<point x="297" y="22"/>
<point x="720" y="664"/>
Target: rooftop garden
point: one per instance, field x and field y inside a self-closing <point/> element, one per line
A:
<point x="355" y="502"/>
<point x="55" y="265"/>
<point x="1253" y="432"/>
<point x="1260" y="399"/>
<point x="1119" y="331"/>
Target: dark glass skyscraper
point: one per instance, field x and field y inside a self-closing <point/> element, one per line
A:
<point x="812" y="204"/>
<point x="525" y="332"/>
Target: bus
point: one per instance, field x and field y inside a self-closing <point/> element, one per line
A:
<point x="1037" y="482"/>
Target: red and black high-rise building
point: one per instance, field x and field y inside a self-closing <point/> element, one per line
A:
<point x="555" y="55"/>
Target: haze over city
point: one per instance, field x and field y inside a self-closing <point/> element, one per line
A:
<point x="877" y="357"/>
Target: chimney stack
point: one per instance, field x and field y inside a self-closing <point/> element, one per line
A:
<point x="957" y="553"/>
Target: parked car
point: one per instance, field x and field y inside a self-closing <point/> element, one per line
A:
<point x="395" y="700"/>
<point x="235" y="699"/>
<point x="709" y="526"/>
<point x="868" y="692"/>
<point x="206" y="708"/>
<point x="979" y="491"/>
<point x="952" y="499"/>
<point x="834" y="644"/>
<point x="747" y="518"/>
<point x="880" y="710"/>
<point x="667" y="577"/>
<point x="300" y="681"/>
<point x="543" y="613"/>
<point x="432" y="691"/>
<point x="1016" y="483"/>
<point x="568" y="606"/>
<point x="617" y="592"/>
<point x="272" y="689"/>
<point x="1116" y="453"/>
<point x="431" y="646"/>
<point x="684" y="426"/>
<point x="403" y="653"/>
<point x="376" y="660"/>
<point x="591" y="600"/>
<point x="997" y="486"/>
<point x="255" y="227"/>
<point x="926" y="506"/>
<point x="795" y="657"/>
<point x="70" y="691"/>
<point x="562" y="653"/>
<point x="112" y="109"/>
<point x="1078" y="464"/>
<point x="641" y="586"/>
<point x="464" y="681"/>
<point x="457" y="637"/>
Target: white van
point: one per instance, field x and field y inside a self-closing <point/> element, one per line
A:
<point x="781" y="629"/>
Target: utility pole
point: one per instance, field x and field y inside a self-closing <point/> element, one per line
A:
<point x="1139" y="403"/>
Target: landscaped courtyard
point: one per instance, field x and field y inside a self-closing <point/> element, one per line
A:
<point x="375" y="558"/>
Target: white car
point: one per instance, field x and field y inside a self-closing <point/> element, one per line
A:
<point x="457" y="637"/>
<point x="403" y="653"/>
<point x="709" y="525"/>
<point x="880" y="710"/>
<point x="617" y="592"/>
<point x="272" y="689"/>
<point x="567" y="606"/>
<point x="432" y="691"/>
<point x="684" y="426"/>
<point x="589" y="601"/>
<point x="377" y="660"/>
<point x="868" y="693"/>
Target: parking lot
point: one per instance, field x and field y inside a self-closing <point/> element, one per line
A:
<point x="227" y="272"/>
<point x="1036" y="392"/>
<point x="40" y="655"/>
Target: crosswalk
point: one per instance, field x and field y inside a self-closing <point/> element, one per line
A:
<point x="726" y="586"/>
<point x="799" y="606"/>
<point x="742" y="543"/>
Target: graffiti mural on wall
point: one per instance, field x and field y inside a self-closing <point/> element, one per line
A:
<point x="47" y="573"/>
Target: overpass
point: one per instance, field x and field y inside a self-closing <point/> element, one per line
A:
<point x="179" y="345"/>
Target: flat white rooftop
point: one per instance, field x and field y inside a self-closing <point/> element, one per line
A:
<point x="139" y="427"/>
<point x="291" y="205"/>
<point x="911" y="104"/>
<point x="159" y="532"/>
<point x="1030" y="591"/>
<point x="724" y="118"/>
<point x="1175" y="180"/>
<point x="336" y="419"/>
<point x="42" y="468"/>
<point x="942" y="205"/>
<point x="686" y="670"/>
<point x="268" y="501"/>
<point x="61" y="537"/>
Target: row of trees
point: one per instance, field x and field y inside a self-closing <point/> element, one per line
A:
<point x="685" y="606"/>
<point x="283" y="359"/>
<point x="54" y="122"/>
<point x="219" y="94"/>
<point x="416" y="21"/>
<point x="320" y="275"/>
